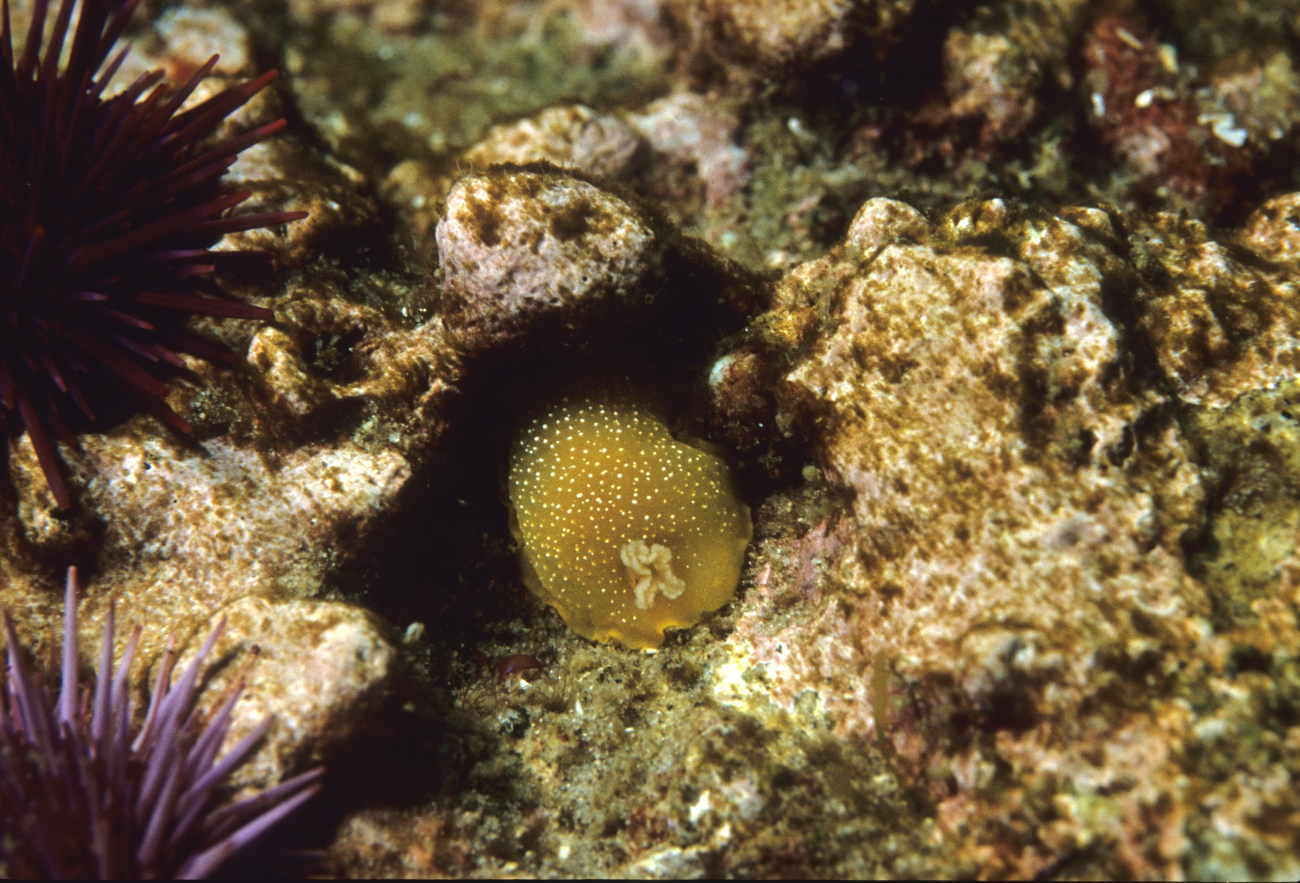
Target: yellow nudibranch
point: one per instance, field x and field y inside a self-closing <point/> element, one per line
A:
<point x="623" y="529"/>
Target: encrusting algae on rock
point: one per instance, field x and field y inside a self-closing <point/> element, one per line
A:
<point x="623" y="529"/>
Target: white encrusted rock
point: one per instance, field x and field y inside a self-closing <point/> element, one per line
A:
<point x="541" y="260"/>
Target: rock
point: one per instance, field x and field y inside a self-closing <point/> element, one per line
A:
<point x="1142" y="107"/>
<point x="184" y="534"/>
<point x="294" y="461"/>
<point x="571" y="137"/>
<point x="184" y="531"/>
<point x="333" y="358"/>
<point x="286" y="177"/>
<point x="1273" y="231"/>
<point x="319" y="668"/>
<point x="1216" y="323"/>
<point x="630" y="26"/>
<point x="390" y="16"/>
<point x="416" y="191"/>
<point x="965" y="341"/>
<point x="742" y="406"/>
<point x="1260" y="99"/>
<point x="1011" y="575"/>
<point x="677" y="145"/>
<point x="751" y="38"/>
<point x="996" y="76"/>
<point x="435" y="91"/>
<point x="541" y="259"/>
<point x="692" y="133"/>
<point x="181" y="528"/>
<point x="980" y="82"/>
<point x="192" y="36"/>
<point x="1251" y="466"/>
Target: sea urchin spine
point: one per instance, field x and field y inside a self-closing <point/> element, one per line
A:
<point x="109" y="208"/>
<point x="82" y="796"/>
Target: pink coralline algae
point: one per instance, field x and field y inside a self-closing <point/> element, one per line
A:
<point x="536" y="258"/>
<point x="532" y="256"/>
<point x="1146" y="118"/>
<point x="1008" y="609"/>
<point x="687" y="131"/>
<point x="1021" y="596"/>
<point x="86" y="792"/>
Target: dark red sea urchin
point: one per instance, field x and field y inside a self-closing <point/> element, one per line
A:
<point x="84" y="793"/>
<point x="108" y="210"/>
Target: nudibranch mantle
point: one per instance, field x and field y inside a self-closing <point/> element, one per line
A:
<point x="623" y="529"/>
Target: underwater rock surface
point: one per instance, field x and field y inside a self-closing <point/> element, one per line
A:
<point x="528" y="256"/>
<point x="993" y="311"/>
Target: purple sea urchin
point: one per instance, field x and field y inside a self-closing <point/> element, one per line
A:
<point x="108" y="211"/>
<point x="84" y="793"/>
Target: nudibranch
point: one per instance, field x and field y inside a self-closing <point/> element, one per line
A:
<point x="623" y="529"/>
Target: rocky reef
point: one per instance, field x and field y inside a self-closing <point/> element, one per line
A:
<point x="991" y="308"/>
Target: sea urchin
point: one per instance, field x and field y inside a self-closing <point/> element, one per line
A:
<point x="85" y="793"/>
<point x="109" y="208"/>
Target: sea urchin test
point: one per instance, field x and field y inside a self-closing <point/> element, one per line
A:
<point x="623" y="529"/>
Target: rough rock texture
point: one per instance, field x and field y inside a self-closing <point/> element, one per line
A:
<point x="755" y="38"/>
<point x="989" y="555"/>
<point x="679" y="149"/>
<point x="691" y="132"/>
<point x="378" y="97"/>
<point x="192" y="36"/>
<point x="179" y="531"/>
<point x="297" y="454"/>
<point x="336" y="358"/>
<point x="1273" y="233"/>
<point x="1009" y="609"/>
<point x="573" y="137"/>
<point x="1262" y="98"/>
<point x="320" y="668"/>
<point x="996" y="76"/>
<point x="543" y="258"/>
<point x="1022" y="595"/>
<point x="1249" y="450"/>
<point x="343" y="399"/>
<point x="1219" y="320"/>
<point x="638" y="764"/>
<point x="1146" y="115"/>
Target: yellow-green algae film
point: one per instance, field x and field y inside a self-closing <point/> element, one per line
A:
<point x="623" y="529"/>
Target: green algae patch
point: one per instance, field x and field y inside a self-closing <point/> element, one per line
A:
<point x="383" y="96"/>
<point x="1251" y="453"/>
